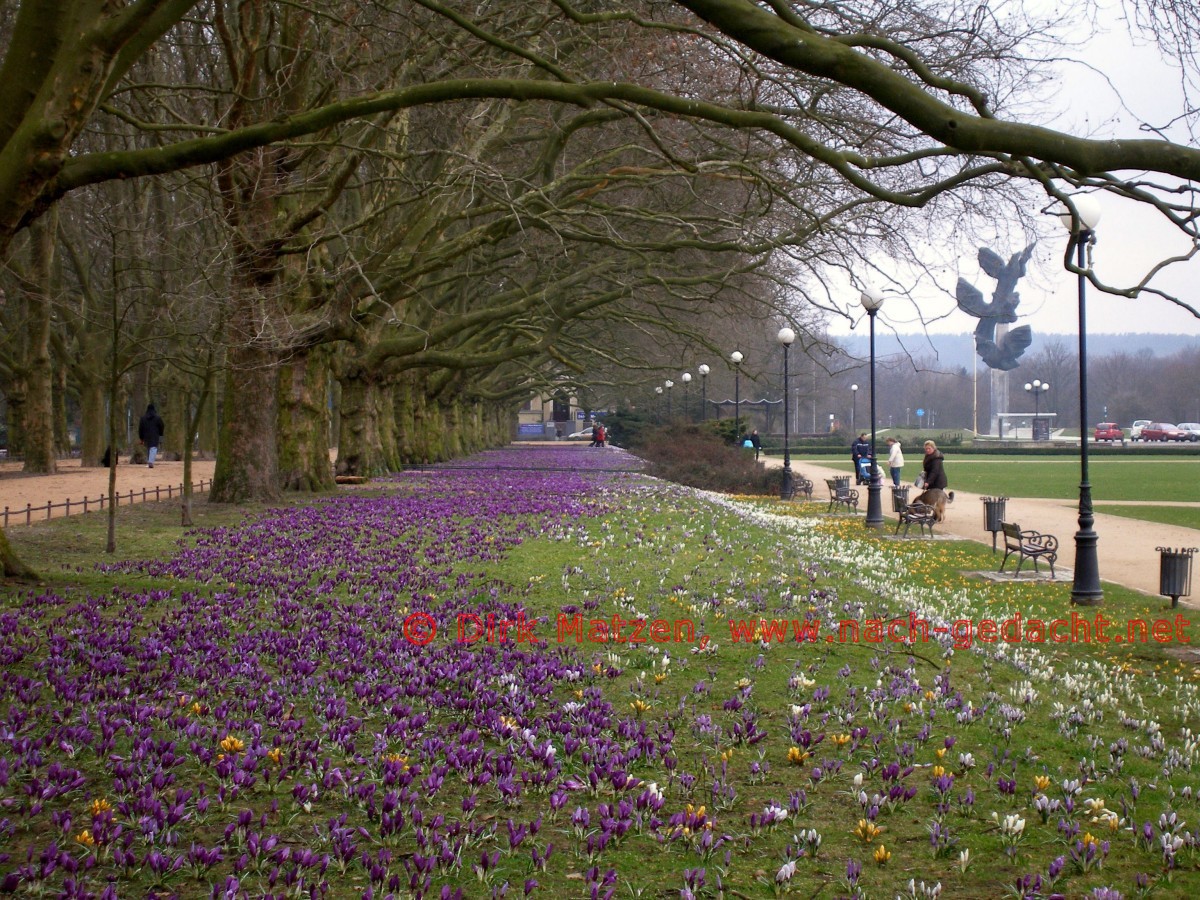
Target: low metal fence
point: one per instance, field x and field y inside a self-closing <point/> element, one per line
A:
<point x="70" y="507"/>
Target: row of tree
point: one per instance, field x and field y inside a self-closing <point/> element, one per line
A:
<point x="434" y="209"/>
<point x="1122" y="387"/>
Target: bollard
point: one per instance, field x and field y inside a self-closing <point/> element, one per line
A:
<point x="899" y="499"/>
<point x="1175" y="572"/>
<point x="993" y="516"/>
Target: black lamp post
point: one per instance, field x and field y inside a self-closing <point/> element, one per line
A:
<point x="1037" y="388"/>
<point x="1082" y="219"/>
<point x="703" y="370"/>
<point x="669" y="384"/>
<point x="871" y="300"/>
<point x="853" y="408"/>
<point x="736" y="358"/>
<point x="785" y="337"/>
<point x="686" y="378"/>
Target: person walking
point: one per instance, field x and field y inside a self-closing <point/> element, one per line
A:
<point x="150" y="432"/>
<point x="860" y="453"/>
<point x="755" y="442"/>
<point x="933" y="467"/>
<point x="895" y="460"/>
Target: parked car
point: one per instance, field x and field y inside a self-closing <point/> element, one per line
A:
<point x="1192" y="429"/>
<point x="1108" y="431"/>
<point x="1135" y="430"/>
<point x="1163" y="431"/>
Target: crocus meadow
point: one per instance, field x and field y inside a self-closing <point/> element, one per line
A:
<point x="288" y="707"/>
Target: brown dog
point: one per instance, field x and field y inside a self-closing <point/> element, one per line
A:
<point x="937" y="498"/>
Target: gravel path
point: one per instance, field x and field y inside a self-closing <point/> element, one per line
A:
<point x="1127" y="548"/>
<point x="75" y="483"/>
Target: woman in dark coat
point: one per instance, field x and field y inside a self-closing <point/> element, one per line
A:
<point x="932" y="466"/>
<point x="150" y="432"/>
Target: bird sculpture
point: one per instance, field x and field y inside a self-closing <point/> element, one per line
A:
<point x="999" y="354"/>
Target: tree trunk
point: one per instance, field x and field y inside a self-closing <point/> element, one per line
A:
<point x="14" y="404"/>
<point x="38" y="411"/>
<point x="92" y="442"/>
<point x="247" y="462"/>
<point x="304" y="422"/>
<point x="62" y="429"/>
<point x="10" y="565"/>
<point x="359" y="449"/>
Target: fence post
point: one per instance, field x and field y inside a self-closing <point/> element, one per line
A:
<point x="143" y="496"/>
<point x="28" y="514"/>
<point x="68" y="512"/>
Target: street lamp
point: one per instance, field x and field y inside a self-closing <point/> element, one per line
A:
<point x="1081" y="220"/>
<point x="853" y="408"/>
<point x="871" y="300"/>
<point x="686" y="378"/>
<point x="670" y="384"/>
<point x="658" y="404"/>
<point x="703" y="370"/>
<point x="736" y="358"/>
<point x="1037" y="388"/>
<point x="785" y="337"/>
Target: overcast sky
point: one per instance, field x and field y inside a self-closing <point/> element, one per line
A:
<point x="1129" y="238"/>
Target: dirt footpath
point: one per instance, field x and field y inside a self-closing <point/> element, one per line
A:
<point x="1127" y="548"/>
<point x="75" y="483"/>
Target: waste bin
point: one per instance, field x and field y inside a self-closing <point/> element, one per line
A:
<point x="841" y="481"/>
<point x="1175" y="572"/>
<point x="899" y="498"/>
<point x="993" y="516"/>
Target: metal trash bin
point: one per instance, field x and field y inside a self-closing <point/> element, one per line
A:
<point x="1175" y="572"/>
<point x="841" y="481"/>
<point x="993" y="516"/>
<point x="899" y="498"/>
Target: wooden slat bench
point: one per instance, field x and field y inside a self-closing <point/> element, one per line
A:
<point x="919" y="514"/>
<point x="1028" y="544"/>
<point x="841" y="494"/>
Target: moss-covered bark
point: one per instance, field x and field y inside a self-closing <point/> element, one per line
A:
<point x="360" y="451"/>
<point x="38" y="410"/>
<point x="92" y="439"/>
<point x="10" y="564"/>
<point x="304" y="422"/>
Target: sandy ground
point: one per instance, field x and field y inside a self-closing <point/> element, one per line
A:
<point x="1128" y="549"/>
<point x="75" y="483"/>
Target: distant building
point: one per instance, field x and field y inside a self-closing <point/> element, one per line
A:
<point x="545" y="418"/>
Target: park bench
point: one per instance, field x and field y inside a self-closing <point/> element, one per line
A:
<point x="919" y="514"/>
<point x="802" y="485"/>
<point x="841" y="494"/>
<point x="1028" y="544"/>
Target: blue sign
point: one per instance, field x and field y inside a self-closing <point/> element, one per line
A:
<point x="579" y="415"/>
<point x="920" y="413"/>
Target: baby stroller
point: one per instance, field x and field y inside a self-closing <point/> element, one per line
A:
<point x="863" y="470"/>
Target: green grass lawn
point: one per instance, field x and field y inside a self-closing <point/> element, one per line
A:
<point x="1183" y="516"/>
<point x="1136" y="478"/>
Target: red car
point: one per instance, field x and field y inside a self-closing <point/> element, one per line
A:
<point x="1163" y="431"/>
<point x="1108" y="431"/>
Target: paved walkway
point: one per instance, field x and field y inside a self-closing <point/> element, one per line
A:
<point x="1127" y="548"/>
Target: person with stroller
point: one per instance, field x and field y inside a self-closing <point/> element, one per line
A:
<point x="860" y="452"/>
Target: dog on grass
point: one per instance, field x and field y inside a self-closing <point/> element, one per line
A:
<point x="937" y="498"/>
